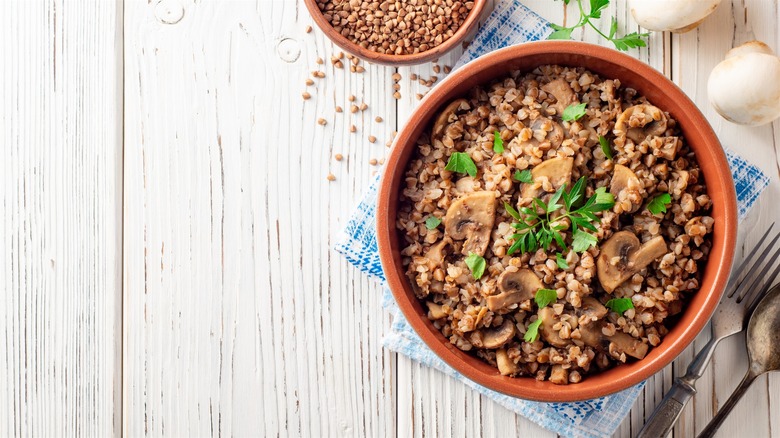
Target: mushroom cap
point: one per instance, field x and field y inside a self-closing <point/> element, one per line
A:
<point x="620" y="342"/>
<point x="671" y="15"/>
<point x="564" y="95"/>
<point x="436" y="252"/>
<point x="623" y="255"/>
<point x="498" y="336"/>
<point x="505" y="365"/>
<point x="471" y="218"/>
<point x="556" y="170"/>
<point x="625" y="185"/>
<point x="444" y="117"/>
<point x="516" y="287"/>
<point x="548" y="317"/>
<point x="745" y="89"/>
<point x="753" y="46"/>
<point x="555" y="135"/>
<point x="435" y="311"/>
<point x="640" y="121"/>
<point x="593" y="308"/>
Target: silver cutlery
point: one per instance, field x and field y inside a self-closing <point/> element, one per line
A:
<point x="763" y="346"/>
<point x="738" y="301"/>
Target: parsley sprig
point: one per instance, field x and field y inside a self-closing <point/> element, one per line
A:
<point x="538" y="228"/>
<point x="631" y="40"/>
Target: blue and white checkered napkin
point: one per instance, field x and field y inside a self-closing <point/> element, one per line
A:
<point x="511" y="23"/>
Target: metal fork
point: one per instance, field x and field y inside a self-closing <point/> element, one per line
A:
<point x="737" y="303"/>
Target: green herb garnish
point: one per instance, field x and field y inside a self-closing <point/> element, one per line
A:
<point x="620" y="305"/>
<point x="532" y="334"/>
<point x="545" y="296"/>
<point x="461" y="162"/>
<point x="560" y="260"/>
<point x="605" y="147"/>
<point x="498" y="143"/>
<point x="524" y="176"/>
<point x="476" y="264"/>
<point x="432" y="222"/>
<point x="631" y="40"/>
<point x="659" y="203"/>
<point x="538" y="230"/>
<point x="573" y="112"/>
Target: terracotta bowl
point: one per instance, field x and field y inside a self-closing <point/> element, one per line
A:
<point x="659" y="90"/>
<point x="396" y="60"/>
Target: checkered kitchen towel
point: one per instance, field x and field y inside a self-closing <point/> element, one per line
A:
<point x="511" y="23"/>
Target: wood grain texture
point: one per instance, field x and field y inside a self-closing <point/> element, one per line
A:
<point x="240" y="318"/>
<point x="60" y="216"/>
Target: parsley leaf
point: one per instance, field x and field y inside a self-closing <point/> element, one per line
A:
<point x="561" y="261"/>
<point x="532" y="334"/>
<point x="511" y="210"/>
<point x="561" y="34"/>
<point x="583" y="241"/>
<point x="573" y="112"/>
<point x="597" y="7"/>
<point x="545" y="296"/>
<point x="498" y="143"/>
<point x="524" y="176"/>
<point x="605" y="147"/>
<point x="476" y="264"/>
<point x="538" y="228"/>
<point x="613" y="28"/>
<point x="432" y="222"/>
<point x="659" y="203"/>
<point x="630" y="41"/>
<point x="461" y="162"/>
<point x="620" y="305"/>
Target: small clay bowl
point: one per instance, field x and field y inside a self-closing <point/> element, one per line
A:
<point x="664" y="94"/>
<point x="396" y="60"/>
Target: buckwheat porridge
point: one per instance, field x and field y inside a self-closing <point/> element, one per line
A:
<point x="553" y="222"/>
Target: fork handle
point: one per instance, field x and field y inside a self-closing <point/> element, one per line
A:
<point x="666" y="414"/>
<point x="668" y="411"/>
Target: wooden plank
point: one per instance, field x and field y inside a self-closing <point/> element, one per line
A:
<point x="61" y="182"/>
<point x="695" y="54"/>
<point x="240" y="318"/>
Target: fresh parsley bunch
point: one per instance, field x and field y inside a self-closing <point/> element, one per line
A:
<point x="623" y="43"/>
<point x="538" y="228"/>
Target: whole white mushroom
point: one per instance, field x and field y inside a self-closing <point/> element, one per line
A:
<point x="745" y="87"/>
<point x="671" y="15"/>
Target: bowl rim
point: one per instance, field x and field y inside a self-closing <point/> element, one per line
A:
<point x="396" y="60"/>
<point x="713" y="164"/>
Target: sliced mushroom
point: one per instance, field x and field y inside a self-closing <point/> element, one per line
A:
<point x="593" y="308"/>
<point x="516" y="287"/>
<point x="620" y="342"/>
<point x="435" y="311"/>
<point x="556" y="170"/>
<point x="436" y="253"/>
<point x="640" y="121"/>
<point x="669" y="148"/>
<point x="625" y="186"/>
<point x="505" y="365"/>
<point x="623" y="255"/>
<point x="444" y="118"/>
<point x="498" y="336"/>
<point x="548" y="317"/>
<point x="471" y="218"/>
<point x="554" y="135"/>
<point x="559" y="375"/>
<point x="564" y="95"/>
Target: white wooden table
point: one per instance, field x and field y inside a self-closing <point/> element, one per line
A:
<point x="166" y="263"/>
